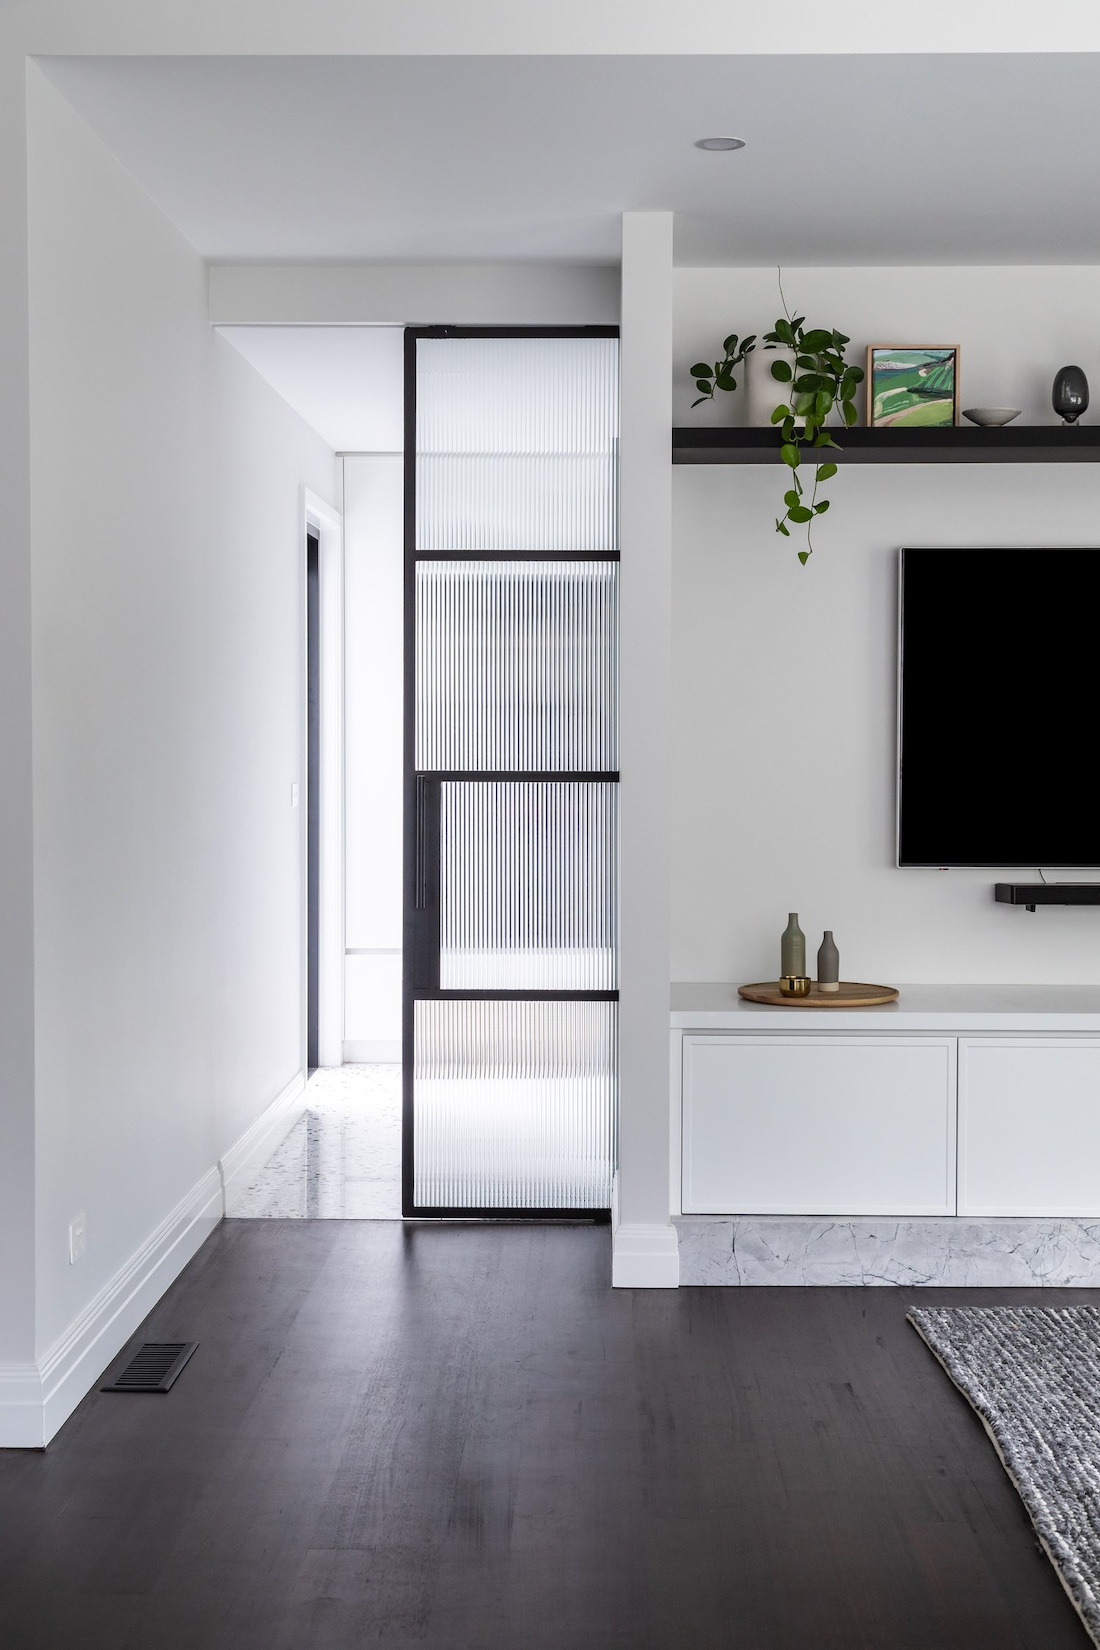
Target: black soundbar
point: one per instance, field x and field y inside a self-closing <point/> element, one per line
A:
<point x="1031" y="894"/>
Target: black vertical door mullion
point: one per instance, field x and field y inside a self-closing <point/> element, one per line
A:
<point x="411" y="929"/>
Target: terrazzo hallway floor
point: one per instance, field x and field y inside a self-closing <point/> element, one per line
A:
<point x="342" y="1160"/>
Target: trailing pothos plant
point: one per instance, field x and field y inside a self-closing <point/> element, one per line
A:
<point x="820" y="380"/>
<point x="720" y="376"/>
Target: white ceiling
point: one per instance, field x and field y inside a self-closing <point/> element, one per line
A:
<point x="870" y="160"/>
<point x="346" y="382"/>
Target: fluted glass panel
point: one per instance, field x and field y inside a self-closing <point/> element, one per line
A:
<point x="513" y="1104"/>
<point x="517" y="444"/>
<point x="528" y="886"/>
<point x="517" y="666"/>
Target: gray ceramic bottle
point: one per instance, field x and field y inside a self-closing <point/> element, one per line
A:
<point x="828" y="964"/>
<point x="792" y="949"/>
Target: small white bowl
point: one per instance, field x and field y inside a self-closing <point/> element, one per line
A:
<point x="991" y="418"/>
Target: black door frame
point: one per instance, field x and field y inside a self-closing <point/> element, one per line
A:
<point x="420" y="900"/>
<point x="313" y="793"/>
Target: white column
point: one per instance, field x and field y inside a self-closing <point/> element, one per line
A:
<point x="644" y="1244"/>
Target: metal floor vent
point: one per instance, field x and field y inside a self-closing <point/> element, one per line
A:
<point x="153" y="1367"/>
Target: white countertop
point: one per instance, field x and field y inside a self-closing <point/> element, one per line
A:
<point x="710" y="1006"/>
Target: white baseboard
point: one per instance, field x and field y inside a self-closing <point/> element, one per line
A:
<point x="21" y="1423"/>
<point x="358" y="1053"/>
<point x="36" y="1399"/>
<point x="645" y="1257"/>
<point x="247" y="1156"/>
<point x="74" y="1363"/>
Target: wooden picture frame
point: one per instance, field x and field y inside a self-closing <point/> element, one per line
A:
<point x="912" y="386"/>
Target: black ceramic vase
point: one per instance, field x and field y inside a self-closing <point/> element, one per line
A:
<point x="1070" y="394"/>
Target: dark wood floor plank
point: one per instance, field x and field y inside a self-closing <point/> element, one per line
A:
<point x="459" y="1438"/>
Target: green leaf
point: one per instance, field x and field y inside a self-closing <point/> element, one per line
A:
<point x="701" y="370"/>
<point x="803" y="556"/>
<point x="790" y="455"/>
<point x="780" y="528"/>
<point x="826" y="440"/>
<point x="799" y="514"/>
<point x="820" y="509"/>
<point x="811" y="382"/>
<point x="825" y="472"/>
<point x="791" y="498"/>
<point x="782" y="372"/>
<point x="705" y="387"/>
<point x="783" y="334"/>
<point x="748" y="344"/>
<point x="730" y="344"/>
<point x="700" y="401"/>
<point x="725" y="380"/>
<point x="849" y="414"/>
<point x="817" y="340"/>
<point x="780" y="414"/>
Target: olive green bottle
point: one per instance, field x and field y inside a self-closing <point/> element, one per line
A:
<point x="792" y="948"/>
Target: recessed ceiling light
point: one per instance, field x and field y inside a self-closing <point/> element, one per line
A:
<point x="719" y="143"/>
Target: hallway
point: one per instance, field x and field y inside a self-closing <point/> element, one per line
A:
<point x="459" y="1438"/>
<point x="342" y="1160"/>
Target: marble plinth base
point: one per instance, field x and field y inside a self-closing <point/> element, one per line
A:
<point x="943" y="1253"/>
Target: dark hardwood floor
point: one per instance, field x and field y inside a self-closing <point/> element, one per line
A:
<point x="460" y="1439"/>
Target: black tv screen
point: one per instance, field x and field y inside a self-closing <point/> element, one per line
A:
<point x="998" y="713"/>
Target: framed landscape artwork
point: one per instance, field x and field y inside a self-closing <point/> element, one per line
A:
<point x="910" y="388"/>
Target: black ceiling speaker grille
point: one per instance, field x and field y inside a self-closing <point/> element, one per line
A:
<point x="153" y="1367"/>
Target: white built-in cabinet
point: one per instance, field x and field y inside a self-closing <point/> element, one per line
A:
<point x="850" y="1120"/>
<point x="1029" y="1126"/>
<point x="819" y="1125"/>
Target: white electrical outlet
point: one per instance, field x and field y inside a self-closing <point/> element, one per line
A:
<point x="294" y="796"/>
<point x="78" y="1237"/>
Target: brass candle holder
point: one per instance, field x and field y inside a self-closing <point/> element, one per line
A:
<point x="794" y="985"/>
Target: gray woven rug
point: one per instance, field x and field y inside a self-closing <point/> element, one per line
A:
<point x="1032" y="1374"/>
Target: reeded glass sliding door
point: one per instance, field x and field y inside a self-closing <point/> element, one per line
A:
<point x="511" y="759"/>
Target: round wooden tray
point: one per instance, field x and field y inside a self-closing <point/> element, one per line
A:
<point x="850" y="995"/>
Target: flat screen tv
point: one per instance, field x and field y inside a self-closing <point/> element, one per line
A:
<point x="999" y="708"/>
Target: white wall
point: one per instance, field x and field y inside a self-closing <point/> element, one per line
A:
<point x="784" y="677"/>
<point x="415" y="294"/>
<point x="167" y="717"/>
<point x="373" y="731"/>
<point x="347" y="382"/>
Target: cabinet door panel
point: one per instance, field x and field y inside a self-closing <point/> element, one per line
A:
<point x="819" y="1125"/>
<point x="1029" y="1126"/>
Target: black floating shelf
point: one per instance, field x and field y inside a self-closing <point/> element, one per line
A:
<point x="1031" y="894"/>
<point x="964" y="444"/>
